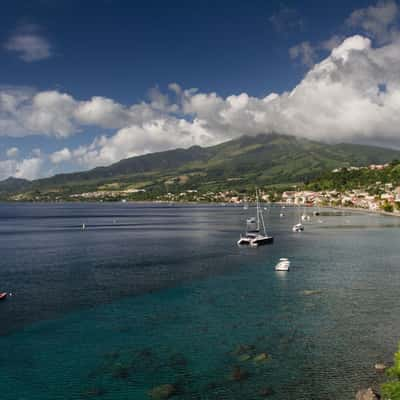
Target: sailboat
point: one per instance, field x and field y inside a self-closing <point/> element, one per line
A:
<point x="298" y="227"/>
<point x="254" y="236"/>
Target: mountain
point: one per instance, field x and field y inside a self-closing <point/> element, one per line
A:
<point x="13" y="185"/>
<point x="237" y="164"/>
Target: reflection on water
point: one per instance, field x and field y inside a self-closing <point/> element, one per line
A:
<point x="160" y="298"/>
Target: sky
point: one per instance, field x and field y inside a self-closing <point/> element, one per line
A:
<point x="86" y="84"/>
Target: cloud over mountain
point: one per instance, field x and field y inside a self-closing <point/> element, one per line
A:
<point x="353" y="94"/>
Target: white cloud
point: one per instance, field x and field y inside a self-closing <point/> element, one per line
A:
<point x="353" y="94"/>
<point x="305" y="52"/>
<point x="50" y="113"/>
<point x="60" y="156"/>
<point x="340" y="99"/>
<point x="29" y="44"/>
<point x="24" y="112"/>
<point x="156" y="135"/>
<point x="12" y="152"/>
<point x="377" y="21"/>
<point x="30" y="168"/>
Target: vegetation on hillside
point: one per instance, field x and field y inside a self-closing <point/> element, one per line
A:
<point x="240" y="164"/>
<point x="363" y="178"/>
<point x="391" y="389"/>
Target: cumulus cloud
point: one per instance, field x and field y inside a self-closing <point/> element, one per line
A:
<point x="353" y="94"/>
<point x="24" y="112"/>
<point x="377" y="21"/>
<point x="305" y="52"/>
<point x="61" y="156"/>
<point x="12" y="152"/>
<point x="29" y="44"/>
<point x="156" y="135"/>
<point x="29" y="168"/>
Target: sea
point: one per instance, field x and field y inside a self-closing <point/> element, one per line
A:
<point x="149" y="295"/>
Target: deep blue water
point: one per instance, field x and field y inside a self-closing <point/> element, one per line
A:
<point x="156" y="294"/>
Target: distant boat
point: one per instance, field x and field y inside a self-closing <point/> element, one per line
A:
<point x="317" y="212"/>
<point x="254" y="237"/>
<point x="299" y="227"/>
<point x="83" y="227"/>
<point x="3" y="296"/>
<point x="283" y="265"/>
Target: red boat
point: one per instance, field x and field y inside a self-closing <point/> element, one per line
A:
<point x="3" y="296"/>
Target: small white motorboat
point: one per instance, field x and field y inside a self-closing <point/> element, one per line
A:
<point x="283" y="265"/>
<point x="298" y="228"/>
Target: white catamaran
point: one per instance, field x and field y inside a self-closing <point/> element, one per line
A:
<point x="254" y="237"/>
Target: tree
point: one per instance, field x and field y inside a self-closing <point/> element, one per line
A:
<point x="386" y="206"/>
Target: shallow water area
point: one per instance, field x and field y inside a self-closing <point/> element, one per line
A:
<point x="150" y="295"/>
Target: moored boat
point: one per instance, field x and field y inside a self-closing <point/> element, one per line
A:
<point x="283" y="265"/>
<point x="298" y="228"/>
<point x="3" y="296"/>
<point x="254" y="237"/>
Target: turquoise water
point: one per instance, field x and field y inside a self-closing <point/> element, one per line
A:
<point x="152" y="295"/>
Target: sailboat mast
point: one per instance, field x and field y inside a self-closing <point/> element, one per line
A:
<point x="260" y="215"/>
<point x="258" y="210"/>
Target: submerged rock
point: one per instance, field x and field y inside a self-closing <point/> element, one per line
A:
<point x="265" y="392"/>
<point x="311" y="292"/>
<point x="120" y="371"/>
<point x="239" y="374"/>
<point x="162" y="392"/>
<point x="244" y="357"/>
<point x="261" y="357"/>
<point x="367" y="394"/>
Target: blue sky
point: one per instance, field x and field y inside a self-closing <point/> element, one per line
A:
<point x="57" y="56"/>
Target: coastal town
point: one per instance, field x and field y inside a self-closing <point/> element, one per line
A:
<point x="378" y="196"/>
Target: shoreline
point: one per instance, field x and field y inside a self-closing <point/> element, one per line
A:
<point x="222" y="204"/>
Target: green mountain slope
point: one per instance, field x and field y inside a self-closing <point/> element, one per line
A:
<point x="14" y="185"/>
<point x="238" y="164"/>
